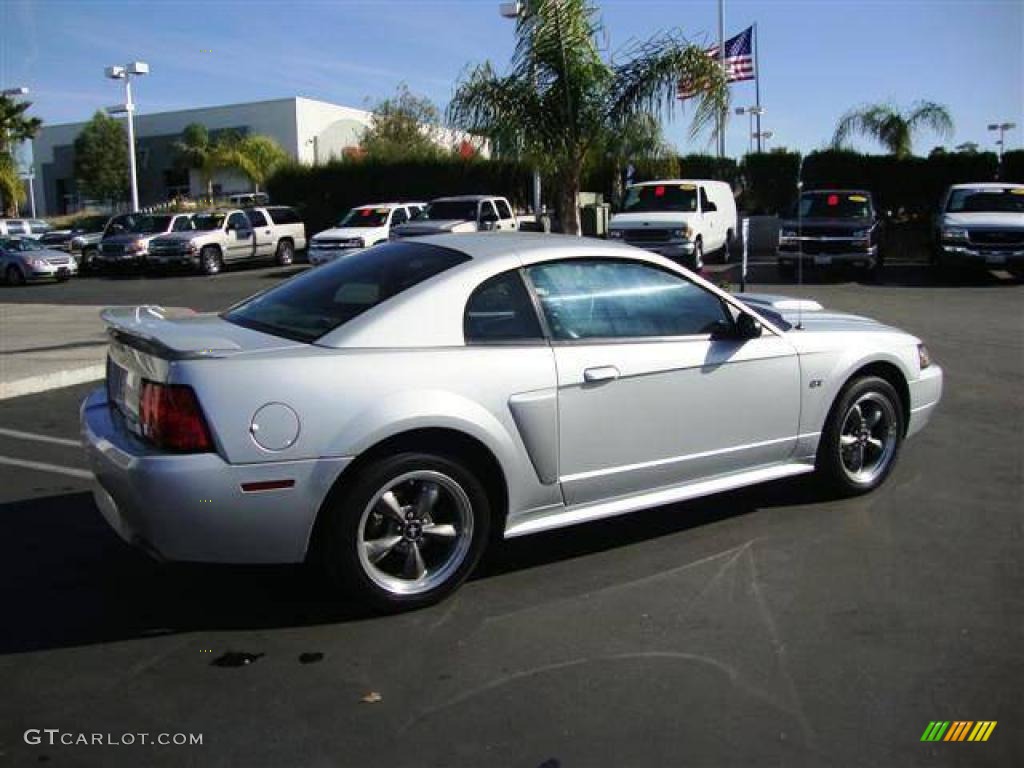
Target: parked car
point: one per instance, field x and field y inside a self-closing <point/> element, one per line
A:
<point x="222" y="237"/>
<point x="385" y="413"/>
<point x="34" y="228"/>
<point x="246" y="199"/>
<point x="85" y="237"/>
<point x="126" y="239"/>
<point x="360" y="228"/>
<point x="981" y="224"/>
<point x="680" y="219"/>
<point x="830" y="227"/>
<point x="23" y="259"/>
<point x="465" y="213"/>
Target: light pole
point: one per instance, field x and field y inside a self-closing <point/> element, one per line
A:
<point x="126" y="73"/>
<point x="30" y="177"/>
<point x="765" y="135"/>
<point x="514" y="11"/>
<point x="1000" y="142"/>
<point x="752" y="112"/>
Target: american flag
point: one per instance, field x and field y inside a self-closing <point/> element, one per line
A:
<point x="739" y="62"/>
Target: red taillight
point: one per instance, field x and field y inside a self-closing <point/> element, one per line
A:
<point x="171" y="418"/>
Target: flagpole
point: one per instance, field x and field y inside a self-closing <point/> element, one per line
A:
<point x="757" y="89"/>
<point x="721" y="63"/>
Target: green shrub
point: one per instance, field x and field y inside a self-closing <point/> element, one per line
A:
<point x="1013" y="166"/>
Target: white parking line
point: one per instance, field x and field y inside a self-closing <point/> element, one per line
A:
<point x="39" y="438"/>
<point x="42" y="466"/>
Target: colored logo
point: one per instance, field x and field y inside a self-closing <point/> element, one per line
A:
<point x="958" y="730"/>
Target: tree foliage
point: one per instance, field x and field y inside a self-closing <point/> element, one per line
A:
<point x="891" y="127"/>
<point x="561" y="101"/>
<point x="403" y="127"/>
<point x="255" y="156"/>
<point x="15" y="127"/>
<point x="101" y="158"/>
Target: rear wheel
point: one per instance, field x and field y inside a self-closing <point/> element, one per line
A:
<point x="406" y="531"/>
<point x="730" y="238"/>
<point x="210" y="262"/>
<point x="862" y="437"/>
<point x="89" y="258"/>
<point x="14" y="276"/>
<point x="285" y="253"/>
<point x="698" y="254"/>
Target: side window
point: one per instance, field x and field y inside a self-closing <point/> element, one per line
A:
<point x="487" y="212"/>
<point x="605" y="299"/>
<point x="281" y="215"/>
<point x="504" y="212"/>
<point x="399" y="216"/>
<point x="182" y="224"/>
<point x="500" y="309"/>
<point x="238" y="221"/>
<point x="256" y="218"/>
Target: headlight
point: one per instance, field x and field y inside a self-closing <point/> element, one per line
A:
<point x="134" y="247"/>
<point x="862" y="233"/>
<point x="681" y="234"/>
<point x="923" y="356"/>
<point x="954" y="233"/>
<point x="39" y="263"/>
<point x="614" y="234"/>
<point x="191" y="247"/>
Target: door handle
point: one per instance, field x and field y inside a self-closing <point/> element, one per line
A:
<point x="601" y="373"/>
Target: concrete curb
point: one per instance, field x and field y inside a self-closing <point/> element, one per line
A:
<point x="56" y="380"/>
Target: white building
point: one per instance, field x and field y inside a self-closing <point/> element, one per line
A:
<point x="310" y="131"/>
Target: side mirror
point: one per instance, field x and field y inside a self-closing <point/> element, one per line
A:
<point x="711" y="208"/>
<point x="748" y="327"/>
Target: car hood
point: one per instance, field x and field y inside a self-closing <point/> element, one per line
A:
<point x="46" y="253"/>
<point x="803" y="315"/>
<point x="984" y="220"/>
<point x="349" y="233"/>
<point x="827" y="226"/>
<point x="88" y="237"/>
<point x="434" y="227"/>
<point x="653" y="218"/>
<point x="180" y="237"/>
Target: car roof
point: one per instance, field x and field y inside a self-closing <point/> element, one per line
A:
<point x="837" y="191"/>
<point x="987" y="185"/>
<point x="528" y="246"/>
<point x="464" y="198"/>
<point x="658" y="182"/>
<point x="387" y="205"/>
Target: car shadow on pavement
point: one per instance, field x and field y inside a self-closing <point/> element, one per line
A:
<point x="66" y="580"/>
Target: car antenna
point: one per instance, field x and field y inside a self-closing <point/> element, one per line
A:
<point x="799" y="243"/>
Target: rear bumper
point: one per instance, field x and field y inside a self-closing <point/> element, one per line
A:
<point x="191" y="507"/>
<point x="925" y="394"/>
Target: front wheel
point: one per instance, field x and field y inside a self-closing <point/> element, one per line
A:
<point x="285" y="253"/>
<point x="406" y="531"/>
<point x="210" y="262"/>
<point x="862" y="436"/>
<point x="698" y="254"/>
<point x="14" y="276"/>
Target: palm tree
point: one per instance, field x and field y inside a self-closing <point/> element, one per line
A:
<point x="15" y="128"/>
<point x="196" y="151"/>
<point x="891" y="127"/>
<point x="561" y="99"/>
<point x="257" y="157"/>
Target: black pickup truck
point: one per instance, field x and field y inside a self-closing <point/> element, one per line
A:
<point x="830" y="227"/>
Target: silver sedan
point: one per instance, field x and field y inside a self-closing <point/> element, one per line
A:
<point x="24" y="259"/>
<point x="386" y="414"/>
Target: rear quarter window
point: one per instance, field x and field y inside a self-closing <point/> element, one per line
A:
<point x="317" y="302"/>
<point x="284" y="215"/>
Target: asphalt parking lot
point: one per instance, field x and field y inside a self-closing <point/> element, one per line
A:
<point x="771" y="626"/>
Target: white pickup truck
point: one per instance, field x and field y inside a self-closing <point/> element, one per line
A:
<point x="464" y="213"/>
<point x="224" y="237"/>
<point x="982" y="225"/>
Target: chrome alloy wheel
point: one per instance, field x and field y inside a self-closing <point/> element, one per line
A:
<point x="868" y="438"/>
<point x="415" y="532"/>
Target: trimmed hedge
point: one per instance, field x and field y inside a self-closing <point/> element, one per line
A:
<point x="324" y="193"/>
<point x="1013" y="166"/>
<point x="769" y="182"/>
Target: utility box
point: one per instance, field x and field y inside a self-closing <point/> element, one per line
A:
<point x="594" y="219"/>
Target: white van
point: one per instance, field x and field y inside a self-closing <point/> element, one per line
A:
<point x="681" y="219"/>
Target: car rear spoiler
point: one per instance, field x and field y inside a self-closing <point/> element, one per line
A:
<point x="156" y="330"/>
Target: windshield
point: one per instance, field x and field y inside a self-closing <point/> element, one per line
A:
<point x="835" y="205"/>
<point x="315" y="303"/>
<point x="661" y="197"/>
<point x="138" y="224"/>
<point x="991" y="200"/>
<point x="442" y="210"/>
<point x="91" y="224"/>
<point x="15" y="244"/>
<point x="365" y="217"/>
<point x="207" y="222"/>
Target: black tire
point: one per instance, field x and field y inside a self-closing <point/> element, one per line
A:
<point x="89" y="258"/>
<point x="348" y="515"/>
<point x="210" y="261"/>
<point x="730" y="238"/>
<point x="285" y="255"/>
<point x="834" y="462"/>
<point x="698" y="255"/>
<point x="14" y="276"/>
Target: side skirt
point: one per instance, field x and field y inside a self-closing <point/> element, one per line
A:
<point x="561" y="516"/>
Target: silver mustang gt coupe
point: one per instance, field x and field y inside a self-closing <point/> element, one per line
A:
<point x="389" y="412"/>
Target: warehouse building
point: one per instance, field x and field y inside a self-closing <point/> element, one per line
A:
<point x="310" y="131"/>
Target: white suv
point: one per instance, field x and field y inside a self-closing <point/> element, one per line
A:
<point x="360" y="228"/>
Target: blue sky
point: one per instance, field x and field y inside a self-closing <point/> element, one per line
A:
<point x="818" y="57"/>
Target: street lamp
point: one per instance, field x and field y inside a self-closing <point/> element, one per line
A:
<point x="514" y="11"/>
<point x="1002" y="128"/>
<point x="126" y="73"/>
<point x="755" y="111"/>
<point x="22" y="91"/>
<point x="765" y="135"/>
